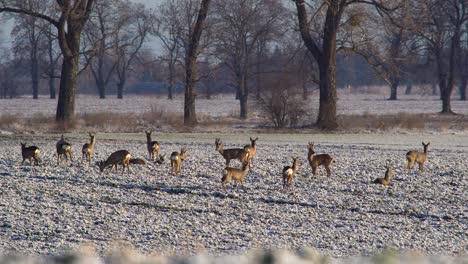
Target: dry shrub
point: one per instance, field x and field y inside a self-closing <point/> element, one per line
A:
<point x="7" y="120"/>
<point x="107" y="121"/>
<point x="281" y="102"/>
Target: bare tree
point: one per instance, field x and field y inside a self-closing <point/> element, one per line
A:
<point x="99" y="35"/>
<point x="243" y="28"/>
<point x="28" y="34"/>
<point x="170" y="29"/>
<point x="191" y="55"/>
<point x="53" y="57"/>
<point x="384" y="41"/>
<point x="135" y="25"/>
<point x="325" y="55"/>
<point x="440" y="27"/>
<point x="73" y="16"/>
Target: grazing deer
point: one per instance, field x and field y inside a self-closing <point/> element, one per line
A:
<point x="63" y="149"/>
<point x="153" y="147"/>
<point x="161" y="159"/>
<point x="318" y="160"/>
<point x="119" y="157"/>
<point x="31" y="153"/>
<point x="288" y="173"/>
<point x="137" y="161"/>
<point x="238" y="175"/>
<point x="87" y="152"/>
<point x="418" y="157"/>
<point x="176" y="161"/>
<point x="229" y="154"/>
<point x="251" y="149"/>
<point x="388" y="176"/>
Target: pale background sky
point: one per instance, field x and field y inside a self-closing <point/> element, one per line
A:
<point x="6" y="26"/>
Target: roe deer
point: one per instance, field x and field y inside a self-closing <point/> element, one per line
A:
<point x="251" y="149"/>
<point x="176" y="161"/>
<point x="161" y="159"/>
<point x="288" y="173"/>
<point x="63" y="149"/>
<point x="229" y="154"/>
<point x="31" y="153"/>
<point x="152" y="146"/>
<point x="318" y="160"/>
<point x="119" y="157"/>
<point x="137" y="161"/>
<point x="388" y="176"/>
<point x="87" y="152"/>
<point x="238" y="175"/>
<point x="418" y="157"/>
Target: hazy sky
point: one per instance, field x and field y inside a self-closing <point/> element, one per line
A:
<point x="6" y="26"/>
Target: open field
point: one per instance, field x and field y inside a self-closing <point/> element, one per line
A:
<point x="350" y="104"/>
<point x="357" y="112"/>
<point x="49" y="209"/>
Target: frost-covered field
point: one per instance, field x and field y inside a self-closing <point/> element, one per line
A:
<point x="226" y="105"/>
<point x="49" y="209"/>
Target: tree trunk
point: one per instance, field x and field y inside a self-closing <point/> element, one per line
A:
<point x="190" y="117"/>
<point x="67" y="90"/>
<point x="52" y="87"/>
<point x="101" y="87"/>
<point x="120" y="88"/>
<point x="463" y="89"/>
<point x="171" y="80"/>
<point x="434" y="88"/>
<point x="35" y="77"/>
<point x="243" y="95"/>
<point x="393" y="90"/>
<point x="409" y="86"/>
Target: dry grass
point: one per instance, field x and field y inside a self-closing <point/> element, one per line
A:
<point x="403" y="121"/>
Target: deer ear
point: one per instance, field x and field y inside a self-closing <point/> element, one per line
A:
<point x="256" y="138"/>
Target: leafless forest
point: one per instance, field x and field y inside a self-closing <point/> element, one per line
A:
<point x="340" y="94"/>
<point x="275" y="55"/>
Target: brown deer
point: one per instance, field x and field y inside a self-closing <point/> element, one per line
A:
<point x="63" y="149"/>
<point x="289" y="172"/>
<point x="418" y="157"/>
<point x="87" y="152"/>
<point x="388" y="176"/>
<point x="176" y="161"/>
<point x="119" y="157"/>
<point x="318" y="160"/>
<point x="153" y="147"/>
<point x="238" y="175"/>
<point x="137" y="161"/>
<point x="251" y="149"/>
<point x="30" y="153"/>
<point x="229" y="154"/>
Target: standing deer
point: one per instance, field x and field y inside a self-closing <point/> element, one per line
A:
<point x="31" y="153"/>
<point x="152" y="146"/>
<point x="229" y="154"/>
<point x="87" y="152"/>
<point x="318" y="160"/>
<point x="63" y="149"/>
<point x="251" y="149"/>
<point x="289" y="172"/>
<point x="388" y="176"/>
<point x="176" y="161"/>
<point x="119" y="157"/>
<point x="418" y="157"/>
<point x="238" y="175"/>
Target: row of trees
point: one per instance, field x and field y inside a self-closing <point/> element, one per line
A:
<point x="248" y="42"/>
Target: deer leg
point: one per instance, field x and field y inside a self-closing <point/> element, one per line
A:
<point x="328" y="168"/>
<point x="421" y="167"/>
<point x="314" y="170"/>
<point x="410" y="165"/>
<point x="36" y="161"/>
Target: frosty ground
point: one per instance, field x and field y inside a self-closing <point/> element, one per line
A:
<point x="50" y="210"/>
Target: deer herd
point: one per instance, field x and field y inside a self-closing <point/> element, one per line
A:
<point x="244" y="155"/>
